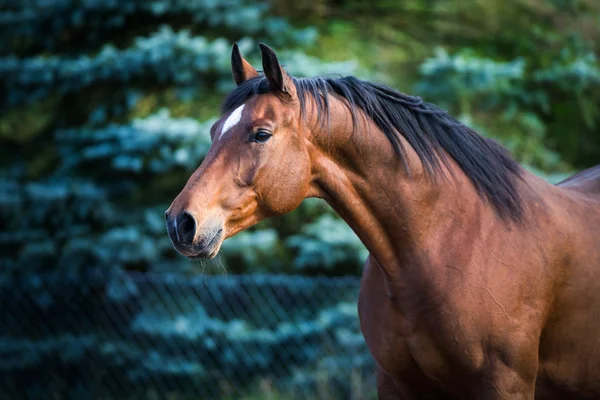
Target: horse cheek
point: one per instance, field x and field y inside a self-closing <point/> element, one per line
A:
<point x="285" y="188"/>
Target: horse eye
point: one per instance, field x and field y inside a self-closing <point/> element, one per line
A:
<point x="262" y="136"/>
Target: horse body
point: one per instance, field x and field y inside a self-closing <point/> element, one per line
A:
<point x="455" y="300"/>
<point x="483" y="280"/>
<point x="509" y="307"/>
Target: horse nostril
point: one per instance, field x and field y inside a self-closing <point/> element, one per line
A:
<point x="167" y="216"/>
<point x="185" y="227"/>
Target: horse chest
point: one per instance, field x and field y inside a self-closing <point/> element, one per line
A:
<point x="394" y="346"/>
<point x="398" y="348"/>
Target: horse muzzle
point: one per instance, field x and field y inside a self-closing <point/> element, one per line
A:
<point x="192" y="240"/>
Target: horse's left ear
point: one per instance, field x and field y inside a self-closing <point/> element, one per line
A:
<point x="278" y="78"/>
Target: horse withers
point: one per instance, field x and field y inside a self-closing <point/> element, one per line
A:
<point x="483" y="280"/>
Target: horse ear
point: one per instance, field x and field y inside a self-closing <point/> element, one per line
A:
<point x="240" y="68"/>
<point x="276" y="75"/>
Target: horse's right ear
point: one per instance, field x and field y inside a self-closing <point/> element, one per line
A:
<point x="278" y="78"/>
<point x="240" y="68"/>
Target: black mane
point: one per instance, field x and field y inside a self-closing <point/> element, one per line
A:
<point x="426" y="127"/>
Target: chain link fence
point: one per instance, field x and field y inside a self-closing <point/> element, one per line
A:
<point x="120" y="335"/>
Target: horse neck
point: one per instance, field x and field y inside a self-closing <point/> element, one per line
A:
<point x="395" y="215"/>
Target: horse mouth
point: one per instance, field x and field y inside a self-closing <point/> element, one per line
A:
<point x="208" y="250"/>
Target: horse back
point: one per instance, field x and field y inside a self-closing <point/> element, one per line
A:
<point x="587" y="181"/>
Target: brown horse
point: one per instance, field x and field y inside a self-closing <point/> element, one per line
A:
<point x="483" y="280"/>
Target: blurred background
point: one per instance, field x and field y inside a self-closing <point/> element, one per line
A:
<point x="105" y="110"/>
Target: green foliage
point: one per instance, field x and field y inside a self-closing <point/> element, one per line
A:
<point x="326" y="243"/>
<point x="464" y="79"/>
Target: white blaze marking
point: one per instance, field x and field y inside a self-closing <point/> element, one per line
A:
<point x="233" y="119"/>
